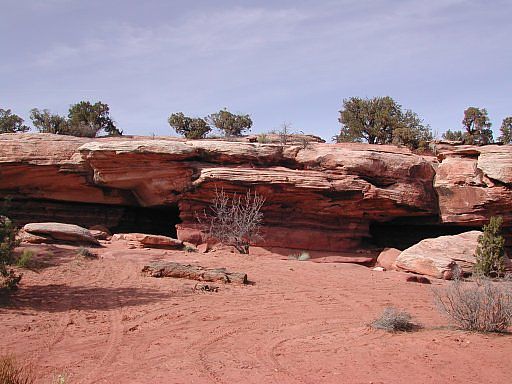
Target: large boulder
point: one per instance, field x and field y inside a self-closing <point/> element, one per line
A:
<point x="439" y="257"/>
<point x="387" y="259"/>
<point x="60" y="232"/>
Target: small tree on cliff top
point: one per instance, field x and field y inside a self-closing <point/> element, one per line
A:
<point x="190" y="127"/>
<point x="229" y="123"/>
<point x="477" y="125"/>
<point x="46" y="122"/>
<point x="86" y="119"/>
<point x="506" y="130"/>
<point x="11" y="123"/>
<point x="381" y="120"/>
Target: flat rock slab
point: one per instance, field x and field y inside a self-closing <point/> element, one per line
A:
<point x="344" y="259"/>
<point x="150" y="241"/>
<point x="68" y="233"/>
<point x="193" y="272"/>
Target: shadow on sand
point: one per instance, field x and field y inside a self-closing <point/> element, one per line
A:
<point x="62" y="297"/>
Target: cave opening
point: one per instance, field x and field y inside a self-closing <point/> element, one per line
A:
<point x="154" y="220"/>
<point x="404" y="234"/>
<point x="118" y="219"/>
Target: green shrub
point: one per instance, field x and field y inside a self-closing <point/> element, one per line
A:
<point x="263" y="138"/>
<point x="490" y="252"/>
<point x="24" y="259"/>
<point x="8" y="278"/>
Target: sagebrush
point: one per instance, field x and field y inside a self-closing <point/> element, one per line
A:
<point x="482" y="305"/>
<point x="394" y="320"/>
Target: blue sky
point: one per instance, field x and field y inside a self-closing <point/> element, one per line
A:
<point x="279" y="61"/>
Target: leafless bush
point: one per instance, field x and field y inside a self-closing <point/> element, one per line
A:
<point x="236" y="220"/>
<point x="12" y="372"/>
<point x="482" y="306"/>
<point x="394" y="320"/>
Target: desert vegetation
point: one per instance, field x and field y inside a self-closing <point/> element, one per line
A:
<point x="190" y="127"/>
<point x="234" y="220"/>
<point x="9" y="279"/>
<point x="229" y="124"/>
<point x="14" y="371"/>
<point x="394" y="320"/>
<point x="381" y="120"/>
<point x="84" y="119"/>
<point x="490" y="252"/>
<point x="11" y="123"/>
<point x="482" y="305"/>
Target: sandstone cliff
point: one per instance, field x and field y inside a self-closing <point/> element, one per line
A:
<point x="322" y="197"/>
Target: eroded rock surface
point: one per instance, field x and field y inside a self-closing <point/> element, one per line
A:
<point x="440" y="256"/>
<point x="69" y="233"/>
<point x="318" y="197"/>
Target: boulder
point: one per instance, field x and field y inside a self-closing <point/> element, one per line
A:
<point x="387" y="259"/>
<point x="60" y="232"/>
<point x="149" y="241"/>
<point x="440" y="256"/>
<point x="100" y="232"/>
<point x="26" y="237"/>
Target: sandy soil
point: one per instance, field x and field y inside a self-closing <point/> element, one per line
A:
<point x="101" y="321"/>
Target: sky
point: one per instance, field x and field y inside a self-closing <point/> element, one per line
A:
<point x="279" y="61"/>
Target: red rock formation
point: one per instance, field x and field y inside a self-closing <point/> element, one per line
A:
<point x="322" y="197"/>
<point x="474" y="183"/>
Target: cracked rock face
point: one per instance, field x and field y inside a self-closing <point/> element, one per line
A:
<point x="474" y="183"/>
<point x="323" y="197"/>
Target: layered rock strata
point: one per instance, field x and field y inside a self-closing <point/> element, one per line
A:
<point x="318" y="197"/>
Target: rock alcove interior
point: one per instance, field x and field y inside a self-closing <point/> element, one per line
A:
<point x="119" y="219"/>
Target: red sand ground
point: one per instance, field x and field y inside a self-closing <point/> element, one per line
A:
<point x="101" y="321"/>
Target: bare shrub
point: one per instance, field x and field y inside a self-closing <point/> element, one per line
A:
<point x="12" y="372"/>
<point x="482" y="306"/>
<point x="394" y="320"/>
<point x="236" y="220"/>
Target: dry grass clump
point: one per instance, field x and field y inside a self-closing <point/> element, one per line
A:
<point x="481" y="306"/>
<point x="86" y="253"/>
<point x="13" y="372"/>
<point x="394" y="320"/>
